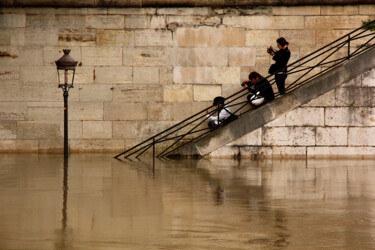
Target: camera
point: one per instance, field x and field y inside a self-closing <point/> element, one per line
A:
<point x="247" y="83"/>
<point x="270" y="50"/>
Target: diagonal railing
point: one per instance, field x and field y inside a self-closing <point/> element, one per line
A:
<point x="299" y="72"/>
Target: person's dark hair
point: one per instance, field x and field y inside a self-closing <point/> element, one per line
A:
<point x="254" y="75"/>
<point x="218" y="100"/>
<point x="282" y="41"/>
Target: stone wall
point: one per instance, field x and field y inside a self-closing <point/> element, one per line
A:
<point x="142" y="69"/>
<point x="339" y="123"/>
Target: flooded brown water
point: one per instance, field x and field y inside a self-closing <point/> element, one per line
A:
<point x="97" y="202"/>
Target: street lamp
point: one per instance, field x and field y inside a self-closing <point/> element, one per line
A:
<point x="66" y="67"/>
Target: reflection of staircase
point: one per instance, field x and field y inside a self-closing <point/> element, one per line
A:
<point x="280" y="106"/>
<point x="309" y="78"/>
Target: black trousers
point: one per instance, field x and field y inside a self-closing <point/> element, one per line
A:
<point x="280" y="82"/>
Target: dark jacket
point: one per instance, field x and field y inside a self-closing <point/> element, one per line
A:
<point x="281" y="59"/>
<point x="264" y="87"/>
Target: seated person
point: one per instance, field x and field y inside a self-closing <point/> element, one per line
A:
<point x="223" y="114"/>
<point x="260" y="88"/>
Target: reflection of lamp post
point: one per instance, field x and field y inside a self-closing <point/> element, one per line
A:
<point x="66" y="66"/>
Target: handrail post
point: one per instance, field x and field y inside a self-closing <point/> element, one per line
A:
<point x="348" y="46"/>
<point x="153" y="152"/>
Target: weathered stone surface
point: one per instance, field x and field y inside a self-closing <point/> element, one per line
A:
<point x="37" y="36"/>
<point x="75" y="129"/>
<point x="137" y="22"/>
<point x="97" y="130"/>
<point x="19" y="145"/>
<point x="143" y="57"/>
<point x="149" y="75"/>
<point x="334" y="136"/>
<point x="301" y="38"/>
<point x="262" y="38"/>
<point x="196" y="57"/>
<point x="226" y="75"/>
<point x="228" y="37"/>
<point x="71" y="21"/>
<point x="278" y="122"/>
<point x="361" y="136"/>
<point x="132" y="11"/>
<point x="38" y="130"/>
<point x="241" y="57"/>
<point x="160" y="111"/>
<point x="190" y="37"/>
<point x="287" y="136"/>
<point x="255" y="152"/>
<point x="184" y="110"/>
<point x="265" y="22"/>
<point x="355" y="82"/>
<point x="289" y="151"/>
<point x="52" y="54"/>
<point x="4" y="37"/>
<point x="13" y="111"/>
<point x="153" y="38"/>
<point x="296" y="10"/>
<point x="158" y="22"/>
<point x="201" y="75"/>
<point x="81" y="111"/>
<point x="89" y="145"/>
<point x="114" y="38"/>
<point x="138" y="93"/>
<point x="178" y="93"/>
<point x="366" y="9"/>
<point x="56" y="145"/>
<point x="76" y="36"/>
<point x="184" y="11"/>
<point x="31" y="56"/>
<point x="9" y="73"/>
<point x="78" y="11"/>
<point x="341" y="152"/>
<point x="368" y="79"/>
<point x="102" y="56"/>
<point x="125" y="129"/>
<point x="355" y="97"/>
<point x="325" y="100"/>
<point x="225" y="151"/>
<point x="206" y="92"/>
<point x="117" y="111"/>
<point x="38" y="74"/>
<point x="113" y="75"/>
<point x="105" y="22"/>
<point x="305" y="117"/>
<point x="333" y="22"/>
<point x="12" y="20"/>
<point x="324" y="37"/>
<point x="8" y="130"/>
<point x="340" y="10"/>
<point x="349" y="116"/>
<point x="251" y="139"/>
<point x="166" y="75"/>
<point x="94" y="92"/>
<point x="45" y="111"/>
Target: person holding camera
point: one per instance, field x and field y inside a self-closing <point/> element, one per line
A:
<point x="260" y="88"/>
<point x="281" y="58"/>
<point x="224" y="115"/>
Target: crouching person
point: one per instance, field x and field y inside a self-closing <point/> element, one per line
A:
<point x="260" y="88"/>
<point x="224" y="115"/>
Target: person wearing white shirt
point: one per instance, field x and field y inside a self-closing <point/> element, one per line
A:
<point x="223" y="113"/>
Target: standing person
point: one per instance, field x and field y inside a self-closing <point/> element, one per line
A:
<point x="281" y="59"/>
<point x="223" y="114"/>
<point x="260" y="88"/>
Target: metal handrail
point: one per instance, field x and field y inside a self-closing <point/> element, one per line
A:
<point x="299" y="66"/>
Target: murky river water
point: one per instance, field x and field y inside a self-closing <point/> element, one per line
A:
<point x="97" y="202"/>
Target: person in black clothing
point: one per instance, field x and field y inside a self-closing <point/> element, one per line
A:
<point x="281" y="59"/>
<point x="260" y="88"/>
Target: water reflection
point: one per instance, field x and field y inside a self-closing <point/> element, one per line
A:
<point x="184" y="204"/>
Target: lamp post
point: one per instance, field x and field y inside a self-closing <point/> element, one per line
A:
<point x="66" y="67"/>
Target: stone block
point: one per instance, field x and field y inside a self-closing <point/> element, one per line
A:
<point x="38" y="75"/>
<point x="262" y="38"/>
<point x="190" y="37"/>
<point x="278" y="122"/>
<point x="31" y="56"/>
<point x="153" y="38"/>
<point x="305" y="117"/>
<point x="18" y="145"/>
<point x="76" y="37"/>
<point x="325" y="100"/>
<point x="206" y="92"/>
<point x="352" y="152"/>
<point x="229" y="89"/>
<point x="241" y="57"/>
<point x="132" y="11"/>
<point x="350" y="116"/>
<point x="12" y="20"/>
<point x="122" y="111"/>
<point x="102" y="56"/>
<point x="175" y="21"/>
<point x="41" y="21"/>
<point x="137" y="22"/>
<point x="178" y="93"/>
<point x="184" y="110"/>
<point x="160" y="111"/>
<point x="346" y="10"/>
<point x="150" y="128"/>
<point x="37" y="36"/>
<point x="253" y="138"/>
<point x="355" y="97"/>
<point x="143" y="57"/>
<point x="83" y="111"/>
<point x="71" y="21"/>
<point x="300" y="38"/>
<point x="113" y="75"/>
<point x="361" y="136"/>
<point x="4" y="37"/>
<point x="138" y="93"/>
<point x="368" y="79"/>
<point x="95" y="93"/>
<point x="56" y="145"/>
<point x="75" y="129"/>
<point x="45" y="111"/>
<point x="289" y="136"/>
<point x="96" y="145"/>
<point x="296" y="10"/>
<point x="228" y="37"/>
<point x="324" y="37"/>
<point x="51" y="54"/>
<point x="225" y="152"/>
<point x="166" y="75"/>
<point x="196" y="57"/>
<point x="38" y="130"/>
<point x="331" y="136"/>
<point x="10" y="56"/>
<point x="366" y="9"/>
<point x="265" y="22"/>
<point x="97" y="130"/>
<point x="200" y="75"/>
<point x="226" y="75"/>
<point x="355" y="82"/>
<point x="13" y="111"/>
<point x="9" y="73"/>
<point x="263" y="59"/>
<point x="8" y="130"/>
<point x="148" y="75"/>
<point x="158" y="22"/>
<point x="255" y="152"/>
<point x="105" y="22"/>
<point x="80" y="11"/>
<point x="289" y="151"/>
<point x="184" y="11"/>
<point x="333" y="22"/>
<point x="114" y="38"/>
<point x="125" y="129"/>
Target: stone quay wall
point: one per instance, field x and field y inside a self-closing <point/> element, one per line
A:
<point x="142" y="70"/>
